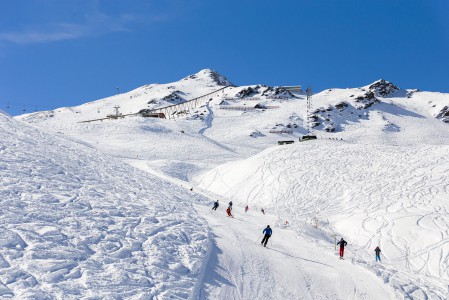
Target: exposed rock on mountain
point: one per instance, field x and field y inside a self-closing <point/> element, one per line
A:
<point x="173" y="96"/>
<point x="249" y="91"/>
<point x="443" y="115"/>
<point x="383" y="87"/>
<point x="212" y="75"/>
<point x="277" y="91"/>
<point x="366" y="100"/>
<point x="341" y="106"/>
<point x="219" y="79"/>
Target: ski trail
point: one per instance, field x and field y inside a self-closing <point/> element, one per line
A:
<point x="240" y="268"/>
<point x="209" y="119"/>
<point x="236" y="266"/>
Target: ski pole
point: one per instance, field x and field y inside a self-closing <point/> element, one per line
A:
<point x="258" y="238"/>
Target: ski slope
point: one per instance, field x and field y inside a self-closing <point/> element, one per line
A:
<point x="290" y="268"/>
<point x="372" y="195"/>
<point x="379" y="179"/>
<point x="78" y="224"/>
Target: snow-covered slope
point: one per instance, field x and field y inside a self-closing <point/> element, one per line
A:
<point x="380" y="180"/>
<point x="372" y="195"/>
<point x="76" y="224"/>
<point x="145" y="97"/>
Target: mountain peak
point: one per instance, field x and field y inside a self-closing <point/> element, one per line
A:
<point x="209" y="74"/>
<point x="383" y="87"/>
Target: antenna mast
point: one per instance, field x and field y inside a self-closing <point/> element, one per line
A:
<point x="309" y="94"/>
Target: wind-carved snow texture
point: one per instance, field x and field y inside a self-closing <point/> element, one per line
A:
<point x="76" y="224"/>
<point x="372" y="195"/>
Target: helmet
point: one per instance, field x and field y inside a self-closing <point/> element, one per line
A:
<point x="268" y="226"/>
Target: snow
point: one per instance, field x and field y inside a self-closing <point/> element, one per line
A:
<point x="392" y="197"/>
<point x="121" y="208"/>
<point x="289" y="268"/>
<point x="79" y="224"/>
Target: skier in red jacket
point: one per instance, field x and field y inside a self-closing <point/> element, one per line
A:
<point x="228" y="211"/>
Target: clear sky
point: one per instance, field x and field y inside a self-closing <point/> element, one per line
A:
<point x="57" y="53"/>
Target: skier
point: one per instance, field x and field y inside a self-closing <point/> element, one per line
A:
<point x="377" y="250"/>
<point x="246" y="208"/>
<point x="228" y="211"/>
<point x="268" y="232"/>
<point x="263" y="211"/>
<point x="342" y="243"/>
<point x="230" y="204"/>
<point x="216" y="204"/>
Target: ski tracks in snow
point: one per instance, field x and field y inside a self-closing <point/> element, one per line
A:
<point x="240" y="268"/>
<point x="76" y="224"/>
<point x="394" y="197"/>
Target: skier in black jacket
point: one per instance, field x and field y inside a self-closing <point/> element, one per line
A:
<point x="215" y="205"/>
<point x="230" y="205"/>
<point x="342" y="243"/>
<point x="377" y="250"/>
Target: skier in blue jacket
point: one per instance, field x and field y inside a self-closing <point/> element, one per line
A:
<point x="268" y="232"/>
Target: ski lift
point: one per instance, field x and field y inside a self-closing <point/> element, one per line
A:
<point x="7" y="106"/>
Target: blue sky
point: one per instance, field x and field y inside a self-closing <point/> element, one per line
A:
<point x="57" y="53"/>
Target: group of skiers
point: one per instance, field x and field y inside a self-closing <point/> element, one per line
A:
<point x="343" y="243"/>
<point x="267" y="232"/>
<point x="229" y="209"/>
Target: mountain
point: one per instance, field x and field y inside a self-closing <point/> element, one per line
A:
<point x="150" y="96"/>
<point x="333" y="110"/>
<point x="375" y="175"/>
<point x="79" y="224"/>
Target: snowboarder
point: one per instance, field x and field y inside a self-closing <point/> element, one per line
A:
<point x="228" y="211"/>
<point x="216" y="204"/>
<point x="263" y="211"/>
<point x="246" y="208"/>
<point x="377" y="250"/>
<point x="230" y="204"/>
<point x="342" y="243"/>
<point x="268" y="232"/>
